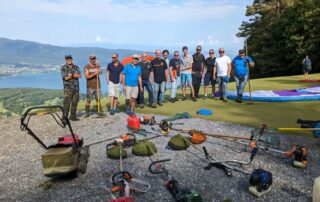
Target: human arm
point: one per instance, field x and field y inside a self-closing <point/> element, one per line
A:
<point x="108" y="76"/>
<point x="214" y="71"/>
<point x="140" y="83"/>
<point x="77" y="73"/>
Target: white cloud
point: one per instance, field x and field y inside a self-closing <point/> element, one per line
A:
<point x="213" y="41"/>
<point x="101" y="39"/>
<point x="135" y="10"/>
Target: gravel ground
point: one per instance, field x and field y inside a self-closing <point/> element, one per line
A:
<point x="22" y="179"/>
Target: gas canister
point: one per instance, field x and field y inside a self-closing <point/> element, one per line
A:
<point x="133" y="122"/>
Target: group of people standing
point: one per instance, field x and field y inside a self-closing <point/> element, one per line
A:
<point x="153" y="76"/>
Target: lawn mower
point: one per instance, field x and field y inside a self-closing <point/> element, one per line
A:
<point x="67" y="157"/>
<point x="123" y="182"/>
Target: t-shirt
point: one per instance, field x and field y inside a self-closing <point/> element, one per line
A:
<point x="72" y="84"/>
<point x="240" y="65"/>
<point x="132" y="74"/>
<point x="198" y="61"/>
<point x="185" y="62"/>
<point x="210" y="64"/>
<point x="159" y="67"/>
<point x="114" y="72"/>
<point x="92" y="82"/>
<point x="222" y="65"/>
<point x="175" y="64"/>
<point x="146" y="69"/>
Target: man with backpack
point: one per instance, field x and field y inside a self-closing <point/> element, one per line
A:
<point x="306" y="66"/>
<point x="240" y="68"/>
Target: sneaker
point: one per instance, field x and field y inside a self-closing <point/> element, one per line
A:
<point x="172" y="100"/>
<point x="130" y="113"/>
<point x="176" y="99"/>
<point x="86" y="115"/>
<point x="112" y="112"/>
<point x="153" y="105"/>
<point x="160" y="104"/>
<point x="101" y="114"/>
<point x="205" y="97"/>
<point x="116" y="110"/>
<point x="184" y="98"/>
<point x="194" y="99"/>
<point x="224" y="100"/>
<point x="238" y="100"/>
<point x="141" y="106"/>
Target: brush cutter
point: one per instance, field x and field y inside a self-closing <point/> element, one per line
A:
<point x="67" y="156"/>
<point x="124" y="183"/>
<point x="313" y="126"/>
<point x="172" y="185"/>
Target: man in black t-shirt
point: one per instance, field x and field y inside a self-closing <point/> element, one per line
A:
<point x="146" y="73"/>
<point x="174" y="67"/>
<point x="160" y="74"/>
<point x="197" y="70"/>
<point x="208" y="77"/>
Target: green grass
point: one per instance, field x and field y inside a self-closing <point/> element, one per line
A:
<point x="275" y="115"/>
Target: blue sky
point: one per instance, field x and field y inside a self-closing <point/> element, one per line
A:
<point x="163" y="23"/>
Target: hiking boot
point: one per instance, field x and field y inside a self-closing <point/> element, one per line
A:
<point x="141" y="106"/>
<point x="176" y="99"/>
<point x="184" y="98"/>
<point x="112" y="111"/>
<point x="160" y="103"/>
<point x="87" y="112"/>
<point x="238" y="100"/>
<point x="153" y="105"/>
<point x="172" y="100"/>
<point x="130" y="113"/>
<point x="194" y="99"/>
<point x="205" y="97"/>
<point x="101" y="114"/>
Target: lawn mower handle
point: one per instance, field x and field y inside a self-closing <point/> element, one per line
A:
<point x="156" y="171"/>
<point x="24" y="126"/>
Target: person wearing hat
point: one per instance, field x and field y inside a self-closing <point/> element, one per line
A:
<point x="185" y="70"/>
<point x="197" y="70"/>
<point x="70" y="74"/>
<point x="240" y="68"/>
<point x="221" y="72"/>
<point x="208" y="77"/>
<point x="113" y="77"/>
<point x="131" y="82"/>
<point x="92" y="72"/>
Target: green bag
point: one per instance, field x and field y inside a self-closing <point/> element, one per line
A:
<point x="59" y="161"/>
<point x="144" y="148"/>
<point x="179" y="142"/>
<point x="113" y="152"/>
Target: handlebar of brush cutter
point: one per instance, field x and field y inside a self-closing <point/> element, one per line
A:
<point x="64" y="119"/>
<point x="156" y="163"/>
<point x="119" y="176"/>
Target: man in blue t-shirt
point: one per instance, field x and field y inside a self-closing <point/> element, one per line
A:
<point x="131" y="82"/>
<point x="240" y="69"/>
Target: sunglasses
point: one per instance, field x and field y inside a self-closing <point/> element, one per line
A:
<point x="176" y="55"/>
<point x="113" y="57"/>
<point x="93" y="58"/>
<point x="211" y="53"/>
<point x="221" y="51"/>
<point x="198" y="49"/>
<point x="136" y="58"/>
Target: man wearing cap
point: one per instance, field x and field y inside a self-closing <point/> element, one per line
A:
<point x="240" y="67"/>
<point x="174" y="67"/>
<point x="222" y="69"/>
<point x="146" y="74"/>
<point x="197" y="70"/>
<point x="185" y="69"/>
<point x="131" y="83"/>
<point x="208" y="77"/>
<point x="92" y="72"/>
<point x="70" y="74"/>
<point x="160" y="74"/>
<point x="113" y="77"/>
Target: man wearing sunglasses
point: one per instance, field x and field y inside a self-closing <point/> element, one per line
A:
<point x="174" y="68"/>
<point x="208" y="77"/>
<point x="197" y="70"/>
<point x="70" y="75"/>
<point x="240" y="67"/>
<point x="222" y="69"/>
<point x="131" y="82"/>
<point x="113" y="76"/>
<point x="92" y="73"/>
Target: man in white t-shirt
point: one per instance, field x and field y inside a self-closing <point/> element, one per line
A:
<point x="222" y="69"/>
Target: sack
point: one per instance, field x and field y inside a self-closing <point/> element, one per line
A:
<point x="178" y="142"/>
<point x="144" y="148"/>
<point x="198" y="137"/>
<point x="113" y="151"/>
<point x="60" y="160"/>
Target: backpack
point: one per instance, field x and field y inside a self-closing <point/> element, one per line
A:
<point x="307" y="64"/>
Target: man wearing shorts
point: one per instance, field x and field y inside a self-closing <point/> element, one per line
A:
<point x="92" y="72"/>
<point x="222" y="68"/>
<point x="185" y="69"/>
<point x="113" y="77"/>
<point x="131" y="82"/>
<point x="208" y="77"/>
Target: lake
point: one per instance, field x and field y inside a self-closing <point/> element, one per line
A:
<point x="50" y="80"/>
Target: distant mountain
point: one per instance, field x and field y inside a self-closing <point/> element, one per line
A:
<point x="27" y="53"/>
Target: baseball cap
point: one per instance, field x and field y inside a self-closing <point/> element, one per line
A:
<point x="241" y="51"/>
<point x="68" y="57"/>
<point x="92" y="56"/>
<point x="135" y="56"/>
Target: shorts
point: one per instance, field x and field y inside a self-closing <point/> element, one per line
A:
<point x="208" y="79"/>
<point x="186" y="78"/>
<point x="132" y="92"/>
<point x="114" y="89"/>
<point x="92" y="93"/>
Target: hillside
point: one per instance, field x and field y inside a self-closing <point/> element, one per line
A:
<point x="27" y="53"/>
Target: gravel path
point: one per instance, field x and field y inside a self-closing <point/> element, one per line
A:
<point x="22" y="179"/>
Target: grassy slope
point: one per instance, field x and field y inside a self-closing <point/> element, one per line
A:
<point x="274" y="114"/>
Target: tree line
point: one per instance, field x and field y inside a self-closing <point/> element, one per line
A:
<point x="280" y="33"/>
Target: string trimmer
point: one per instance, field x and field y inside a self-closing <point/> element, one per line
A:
<point x="124" y="183"/>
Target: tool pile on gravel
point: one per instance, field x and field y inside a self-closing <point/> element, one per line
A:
<point x="22" y="179"/>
